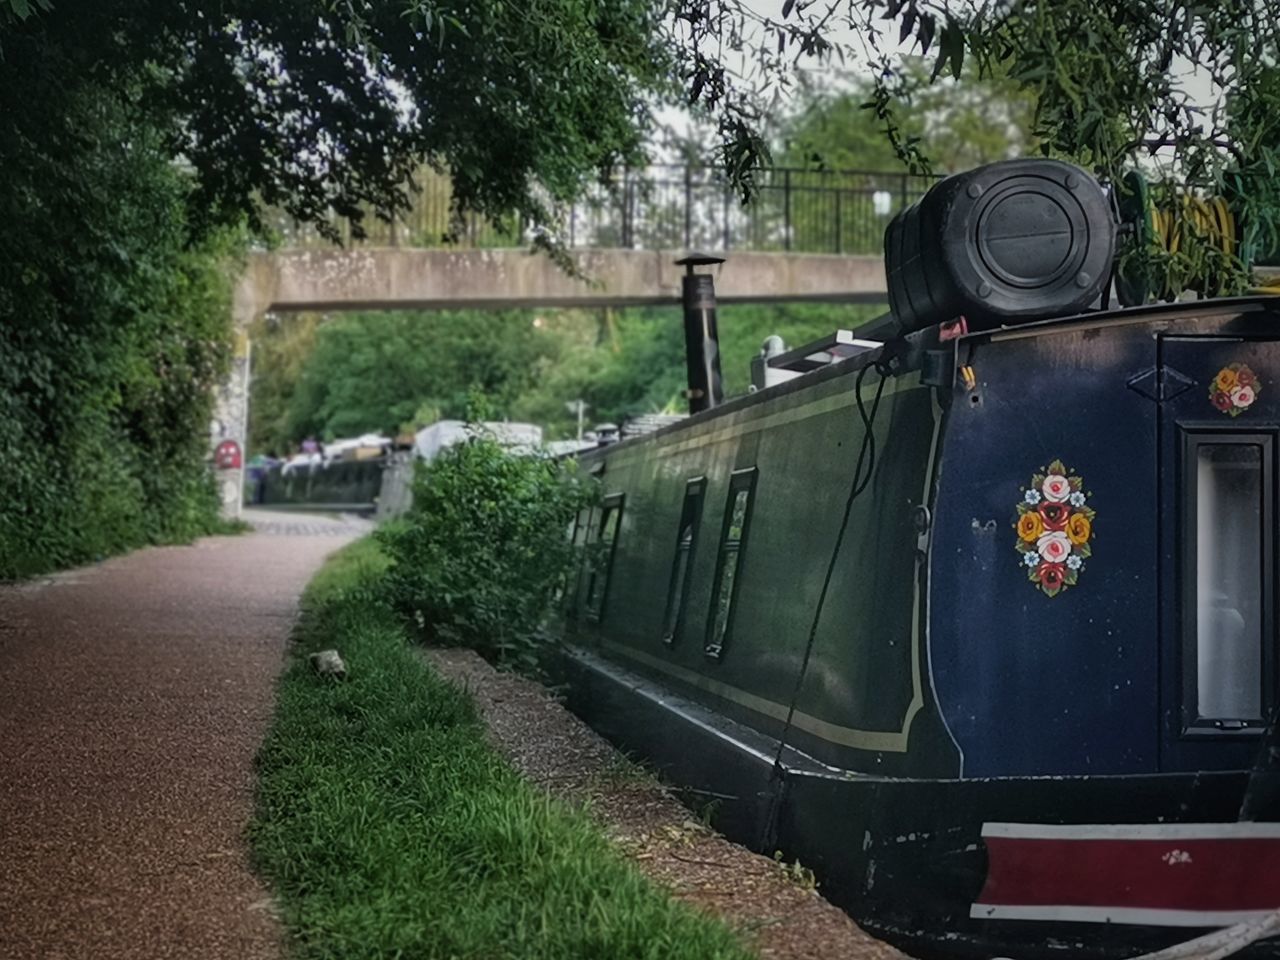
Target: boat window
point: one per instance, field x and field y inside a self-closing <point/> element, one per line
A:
<point x="574" y="532"/>
<point x="601" y="561"/>
<point x="682" y="565"/>
<point x="584" y="523"/>
<point x="733" y="544"/>
<point x="1227" y="583"/>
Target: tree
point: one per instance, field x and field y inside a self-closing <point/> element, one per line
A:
<point x="282" y="347"/>
<point x="137" y="137"/>
<point x="831" y="130"/>
<point x="646" y="371"/>
<point x="376" y="372"/>
<point x="113" y="329"/>
<point x="381" y="371"/>
<point x="959" y="126"/>
<point x="319" y="105"/>
<point x="1114" y="83"/>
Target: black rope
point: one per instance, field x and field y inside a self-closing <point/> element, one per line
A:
<point x="859" y="483"/>
<point x="1261" y="799"/>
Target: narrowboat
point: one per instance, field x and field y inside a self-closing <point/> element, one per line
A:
<point x="977" y="622"/>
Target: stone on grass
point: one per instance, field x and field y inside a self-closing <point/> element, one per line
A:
<point x="329" y="663"/>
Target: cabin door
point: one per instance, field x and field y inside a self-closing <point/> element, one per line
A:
<point x="1219" y="438"/>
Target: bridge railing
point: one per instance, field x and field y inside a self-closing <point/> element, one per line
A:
<point x="668" y="207"/>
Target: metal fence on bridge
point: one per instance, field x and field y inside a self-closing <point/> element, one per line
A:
<point x="667" y="207"/>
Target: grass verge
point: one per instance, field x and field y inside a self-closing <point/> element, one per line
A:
<point x="388" y="827"/>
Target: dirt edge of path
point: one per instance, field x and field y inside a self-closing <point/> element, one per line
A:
<point x="772" y="905"/>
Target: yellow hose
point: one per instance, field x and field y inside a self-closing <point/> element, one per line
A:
<point x="1210" y="218"/>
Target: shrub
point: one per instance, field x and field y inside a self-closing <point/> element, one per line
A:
<point x="481" y="553"/>
<point x="115" y="325"/>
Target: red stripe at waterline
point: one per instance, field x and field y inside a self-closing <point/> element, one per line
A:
<point x="1162" y="874"/>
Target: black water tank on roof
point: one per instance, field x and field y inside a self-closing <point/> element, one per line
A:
<point x="1011" y="241"/>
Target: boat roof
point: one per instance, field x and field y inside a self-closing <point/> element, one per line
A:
<point x="1094" y="318"/>
<point x="1122" y="315"/>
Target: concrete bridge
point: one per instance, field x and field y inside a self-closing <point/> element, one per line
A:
<point x="807" y="236"/>
<point x="803" y="235"/>
<point x="400" y="278"/>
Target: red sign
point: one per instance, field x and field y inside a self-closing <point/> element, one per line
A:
<point x="227" y="455"/>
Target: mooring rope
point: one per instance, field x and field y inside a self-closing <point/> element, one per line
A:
<point x="1217" y="945"/>
<point x="859" y="482"/>
<point x="1220" y="943"/>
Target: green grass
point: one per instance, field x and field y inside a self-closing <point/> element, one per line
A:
<point x="389" y="828"/>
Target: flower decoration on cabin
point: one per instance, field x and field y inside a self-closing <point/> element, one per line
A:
<point x="1055" y="528"/>
<point x="1234" y="389"/>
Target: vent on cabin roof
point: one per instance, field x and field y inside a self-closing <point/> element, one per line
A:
<point x="649" y="422"/>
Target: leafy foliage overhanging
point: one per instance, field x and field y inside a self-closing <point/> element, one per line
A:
<point x="131" y="131"/>
<point x="317" y="105"/>
<point x="134" y="134"/>
<point x="1189" y="90"/>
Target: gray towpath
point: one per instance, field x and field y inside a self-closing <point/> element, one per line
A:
<point x="133" y="696"/>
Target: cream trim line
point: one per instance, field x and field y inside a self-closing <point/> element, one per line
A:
<point x="917" y="684"/>
<point x="1133" y="831"/>
<point x="889" y="742"/>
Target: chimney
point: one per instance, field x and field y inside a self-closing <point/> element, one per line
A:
<point x="701" y="340"/>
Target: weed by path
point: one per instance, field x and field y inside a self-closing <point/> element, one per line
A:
<point x="389" y="828"/>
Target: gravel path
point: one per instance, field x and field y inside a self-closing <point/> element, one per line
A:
<point x="774" y="909"/>
<point x="133" y="696"/>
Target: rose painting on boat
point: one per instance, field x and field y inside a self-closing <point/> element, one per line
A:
<point x="1055" y="528"/>
<point x="1234" y="389"/>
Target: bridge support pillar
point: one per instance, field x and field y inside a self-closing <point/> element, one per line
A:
<point x="231" y="426"/>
